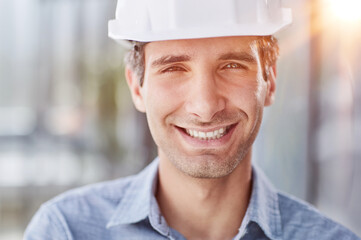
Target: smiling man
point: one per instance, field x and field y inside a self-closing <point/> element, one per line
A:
<point x="202" y="73"/>
<point x="215" y="97"/>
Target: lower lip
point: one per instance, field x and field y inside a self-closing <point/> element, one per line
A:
<point x="195" y="142"/>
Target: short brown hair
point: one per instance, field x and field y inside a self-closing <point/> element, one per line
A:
<point x="267" y="46"/>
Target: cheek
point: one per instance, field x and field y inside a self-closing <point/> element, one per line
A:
<point x="248" y="93"/>
<point x="161" y="98"/>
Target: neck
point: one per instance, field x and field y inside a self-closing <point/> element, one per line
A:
<point x="204" y="208"/>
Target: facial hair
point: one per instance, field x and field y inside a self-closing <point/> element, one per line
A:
<point x="209" y="163"/>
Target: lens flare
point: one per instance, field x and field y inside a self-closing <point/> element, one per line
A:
<point x="346" y="10"/>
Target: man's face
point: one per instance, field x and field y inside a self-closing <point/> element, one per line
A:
<point x="204" y="100"/>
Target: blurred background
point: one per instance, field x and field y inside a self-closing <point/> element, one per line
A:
<point x="66" y="117"/>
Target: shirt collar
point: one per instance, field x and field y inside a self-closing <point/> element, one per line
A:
<point x="139" y="198"/>
<point x="263" y="208"/>
<point x="135" y="204"/>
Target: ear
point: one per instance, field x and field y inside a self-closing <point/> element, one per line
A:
<point x="135" y="89"/>
<point x="271" y="85"/>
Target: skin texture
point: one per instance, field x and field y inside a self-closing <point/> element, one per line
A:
<point x="203" y="85"/>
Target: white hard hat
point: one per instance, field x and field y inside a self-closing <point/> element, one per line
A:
<point x="156" y="20"/>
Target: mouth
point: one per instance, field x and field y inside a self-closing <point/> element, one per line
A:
<point x="208" y="135"/>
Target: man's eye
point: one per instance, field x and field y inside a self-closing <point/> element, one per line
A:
<point x="234" y="66"/>
<point x="173" y="69"/>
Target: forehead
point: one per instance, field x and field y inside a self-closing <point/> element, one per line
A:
<point x="207" y="47"/>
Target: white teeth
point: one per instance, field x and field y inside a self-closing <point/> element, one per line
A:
<point x="207" y="135"/>
<point x="202" y="135"/>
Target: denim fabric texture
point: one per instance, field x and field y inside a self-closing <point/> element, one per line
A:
<point x="127" y="209"/>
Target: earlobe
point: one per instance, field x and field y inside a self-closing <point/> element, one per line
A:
<point x="135" y="89"/>
<point x="271" y="85"/>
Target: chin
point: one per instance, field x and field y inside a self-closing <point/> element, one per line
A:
<point x="207" y="165"/>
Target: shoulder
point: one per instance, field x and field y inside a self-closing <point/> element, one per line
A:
<point x="95" y="200"/>
<point x="300" y="220"/>
<point x="78" y="208"/>
<point x="110" y="192"/>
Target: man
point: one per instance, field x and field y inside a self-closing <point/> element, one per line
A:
<point x="202" y="76"/>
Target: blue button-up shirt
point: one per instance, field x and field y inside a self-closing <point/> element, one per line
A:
<point x="127" y="209"/>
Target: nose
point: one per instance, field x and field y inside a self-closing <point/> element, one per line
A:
<point x="205" y="97"/>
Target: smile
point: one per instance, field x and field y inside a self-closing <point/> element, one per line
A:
<point x="212" y="135"/>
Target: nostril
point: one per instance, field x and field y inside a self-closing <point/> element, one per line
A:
<point x="205" y="108"/>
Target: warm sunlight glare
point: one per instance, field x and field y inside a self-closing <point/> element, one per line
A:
<point x="346" y="10"/>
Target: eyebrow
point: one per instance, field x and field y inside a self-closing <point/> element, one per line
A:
<point x="170" y="59"/>
<point x="240" y="56"/>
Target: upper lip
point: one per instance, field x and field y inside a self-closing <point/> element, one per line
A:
<point x="208" y="129"/>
